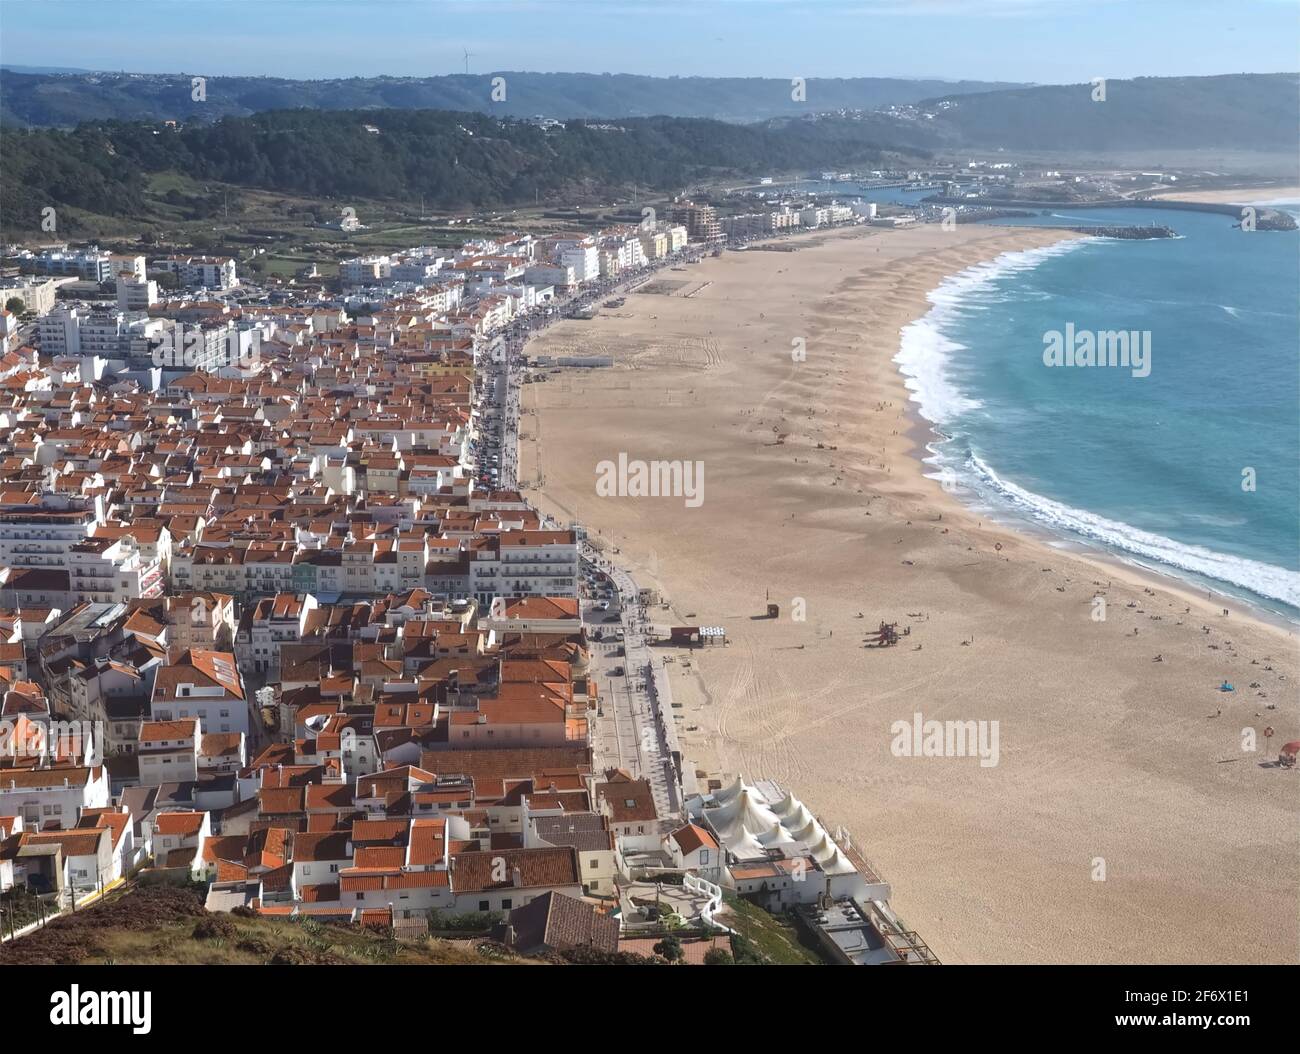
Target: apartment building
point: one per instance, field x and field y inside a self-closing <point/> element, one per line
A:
<point x="199" y="272"/>
<point x="37" y="294"/>
<point x="42" y="532"/>
<point x="204" y="685"/>
<point x="54" y="797"/>
<point x="90" y="264"/>
<point x="168" y="751"/>
<point x="112" y="570"/>
<point x="524" y="563"/>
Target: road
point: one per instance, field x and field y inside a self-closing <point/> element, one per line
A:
<point x="633" y="729"/>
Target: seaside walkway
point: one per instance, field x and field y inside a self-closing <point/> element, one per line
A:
<point x="641" y="706"/>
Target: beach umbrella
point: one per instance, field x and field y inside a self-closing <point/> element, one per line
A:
<point x="1291" y="748"/>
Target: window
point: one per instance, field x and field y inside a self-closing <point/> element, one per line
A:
<point x="507" y="904"/>
<point x="484" y="905"/>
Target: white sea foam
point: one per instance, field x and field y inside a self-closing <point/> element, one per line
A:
<point x="1265" y="580"/>
<point x="924" y="357"/>
<point x="925" y="352"/>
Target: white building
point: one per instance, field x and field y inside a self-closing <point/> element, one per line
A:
<point x="52" y="796"/>
<point x="365" y="270"/>
<point x="206" y="272"/>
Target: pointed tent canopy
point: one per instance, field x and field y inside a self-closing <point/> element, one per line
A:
<point x="810" y="834"/>
<point x="746" y="809"/>
<point x="799" y="819"/>
<point x="824" y="849"/>
<point x="746" y="846"/>
<point x="787" y="806"/>
<point x="774" y="835"/>
<point x="727" y="794"/>
<point x="836" y="864"/>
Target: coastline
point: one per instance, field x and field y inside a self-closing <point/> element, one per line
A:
<point x="1101" y="758"/>
<point x="1144" y="570"/>
<point x="1236" y="195"/>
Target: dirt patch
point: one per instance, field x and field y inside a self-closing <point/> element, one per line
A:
<point x="70" y="938"/>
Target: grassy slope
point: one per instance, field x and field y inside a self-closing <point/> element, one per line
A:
<point x="770" y="937"/>
<point x="164" y="925"/>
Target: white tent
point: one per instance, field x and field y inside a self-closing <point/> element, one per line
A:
<point x="836" y="864"/>
<point x="810" y="833"/>
<point x="747" y="847"/>
<point x="745" y="810"/>
<point x="787" y="806"/>
<point x="824" y="849"/>
<point x="727" y="794"/>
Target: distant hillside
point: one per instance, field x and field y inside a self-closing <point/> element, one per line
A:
<point x="451" y="160"/>
<point x="1257" y="112"/>
<point x="64" y="100"/>
<point x="466" y="160"/>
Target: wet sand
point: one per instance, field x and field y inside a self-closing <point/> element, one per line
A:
<point x="813" y="492"/>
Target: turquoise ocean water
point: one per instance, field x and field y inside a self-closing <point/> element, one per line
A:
<point x="1150" y="468"/>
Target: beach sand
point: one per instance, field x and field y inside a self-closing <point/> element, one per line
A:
<point x="1236" y="195"/>
<point x="1108" y="759"/>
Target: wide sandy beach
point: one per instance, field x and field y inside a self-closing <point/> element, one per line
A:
<point x="1124" y="821"/>
<point x="1236" y="195"/>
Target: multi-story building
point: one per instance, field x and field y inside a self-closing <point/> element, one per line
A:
<point x="37" y="294"/>
<point x="195" y="272"/>
<point x="56" y="796"/>
<point x="91" y="264"/>
<point x="204" y="685"/>
<point x="77" y="332"/>
<point x="268" y="624"/>
<point x="168" y="751"/>
<point x="366" y="270"/>
<point x="43" y="534"/>
<point x="135" y="293"/>
<point x="524" y="563"/>
<point x="112" y="570"/>
<point x="700" y="221"/>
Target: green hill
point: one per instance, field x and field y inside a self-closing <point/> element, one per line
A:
<point x="66" y="99"/>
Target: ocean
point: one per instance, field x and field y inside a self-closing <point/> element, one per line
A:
<point x="1186" y="462"/>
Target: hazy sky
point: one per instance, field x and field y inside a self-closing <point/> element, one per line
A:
<point x="1047" y="41"/>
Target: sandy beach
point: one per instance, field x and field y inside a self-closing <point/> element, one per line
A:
<point x="1236" y="195"/>
<point x="1111" y="763"/>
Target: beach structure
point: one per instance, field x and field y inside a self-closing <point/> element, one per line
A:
<point x="777" y="853"/>
<point x="776" y="850"/>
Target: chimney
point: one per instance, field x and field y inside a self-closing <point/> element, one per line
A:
<point x="516" y="877"/>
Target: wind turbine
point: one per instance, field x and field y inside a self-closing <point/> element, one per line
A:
<point x="468" y="56"/>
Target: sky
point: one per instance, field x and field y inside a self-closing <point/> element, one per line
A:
<point x="1041" y="41"/>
